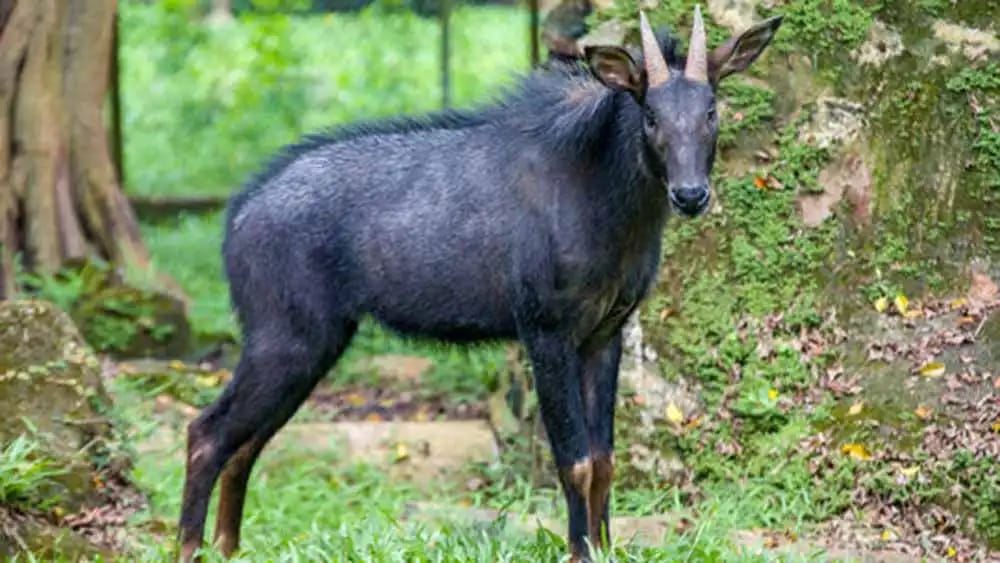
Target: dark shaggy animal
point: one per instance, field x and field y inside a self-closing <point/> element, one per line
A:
<point x="538" y="218"/>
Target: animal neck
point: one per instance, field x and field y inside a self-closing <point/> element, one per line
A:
<point x="631" y="190"/>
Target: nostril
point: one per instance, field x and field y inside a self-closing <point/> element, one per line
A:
<point x="691" y="194"/>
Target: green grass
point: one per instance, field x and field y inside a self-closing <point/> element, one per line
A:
<point x="190" y="251"/>
<point x="305" y="508"/>
<point x="26" y="474"/>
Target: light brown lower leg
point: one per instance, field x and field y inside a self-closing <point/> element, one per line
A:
<point x="600" y="493"/>
<point x="232" y="494"/>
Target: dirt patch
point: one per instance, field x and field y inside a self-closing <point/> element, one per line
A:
<point x="388" y="404"/>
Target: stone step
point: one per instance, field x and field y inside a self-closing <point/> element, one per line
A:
<point x="418" y="452"/>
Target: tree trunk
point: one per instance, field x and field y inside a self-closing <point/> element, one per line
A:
<point x="60" y="197"/>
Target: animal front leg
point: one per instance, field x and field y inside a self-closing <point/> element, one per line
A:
<point x="557" y="366"/>
<point x="600" y="389"/>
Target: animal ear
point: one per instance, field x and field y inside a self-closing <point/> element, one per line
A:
<point x="736" y="54"/>
<point x="614" y="67"/>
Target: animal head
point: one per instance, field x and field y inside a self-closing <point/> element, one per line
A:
<point x="680" y="125"/>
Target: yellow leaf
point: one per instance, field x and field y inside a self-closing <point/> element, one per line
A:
<point x="881" y="304"/>
<point x="932" y="369"/>
<point x="772" y="394"/>
<point x="374" y="417"/>
<point x="901" y="303"/>
<point x="857" y="451"/>
<point x="759" y="183"/>
<point x="958" y="303"/>
<point x="910" y="472"/>
<point x="952" y="552"/>
<point x="855" y="409"/>
<point x="208" y="380"/>
<point x="924" y="412"/>
<point x="887" y="535"/>
<point x="355" y="399"/>
<point x="674" y="414"/>
<point x="693" y="423"/>
<point x="176" y="365"/>
<point x="402" y="453"/>
<point x="996" y="427"/>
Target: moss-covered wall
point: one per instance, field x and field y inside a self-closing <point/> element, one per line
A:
<point x="860" y="167"/>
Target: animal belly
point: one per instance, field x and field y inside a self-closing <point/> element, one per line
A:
<point x="444" y="307"/>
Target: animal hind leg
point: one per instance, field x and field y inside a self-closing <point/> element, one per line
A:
<point x="280" y="365"/>
<point x="235" y="475"/>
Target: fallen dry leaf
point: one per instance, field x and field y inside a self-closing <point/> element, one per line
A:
<point x="932" y="369"/>
<point x="402" y="453"/>
<point x="355" y="400"/>
<point x="881" y="304"/>
<point x="910" y="472"/>
<point x="674" y="414"/>
<point x="856" y="408"/>
<point x="902" y="304"/>
<point x="857" y="451"/>
<point x="759" y="183"/>
<point x="924" y="413"/>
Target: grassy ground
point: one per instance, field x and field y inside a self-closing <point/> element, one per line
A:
<point x="308" y="507"/>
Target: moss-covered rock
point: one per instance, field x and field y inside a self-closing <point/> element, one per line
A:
<point x="130" y="322"/>
<point x="53" y="399"/>
<point x="50" y="388"/>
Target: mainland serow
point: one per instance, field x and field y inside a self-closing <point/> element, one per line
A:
<point x="537" y="218"/>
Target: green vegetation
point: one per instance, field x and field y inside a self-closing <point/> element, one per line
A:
<point x="984" y="82"/>
<point x="827" y="29"/>
<point x="26" y="475"/>
<point x="189" y="249"/>
<point x="213" y="103"/>
<point x="748" y="108"/>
